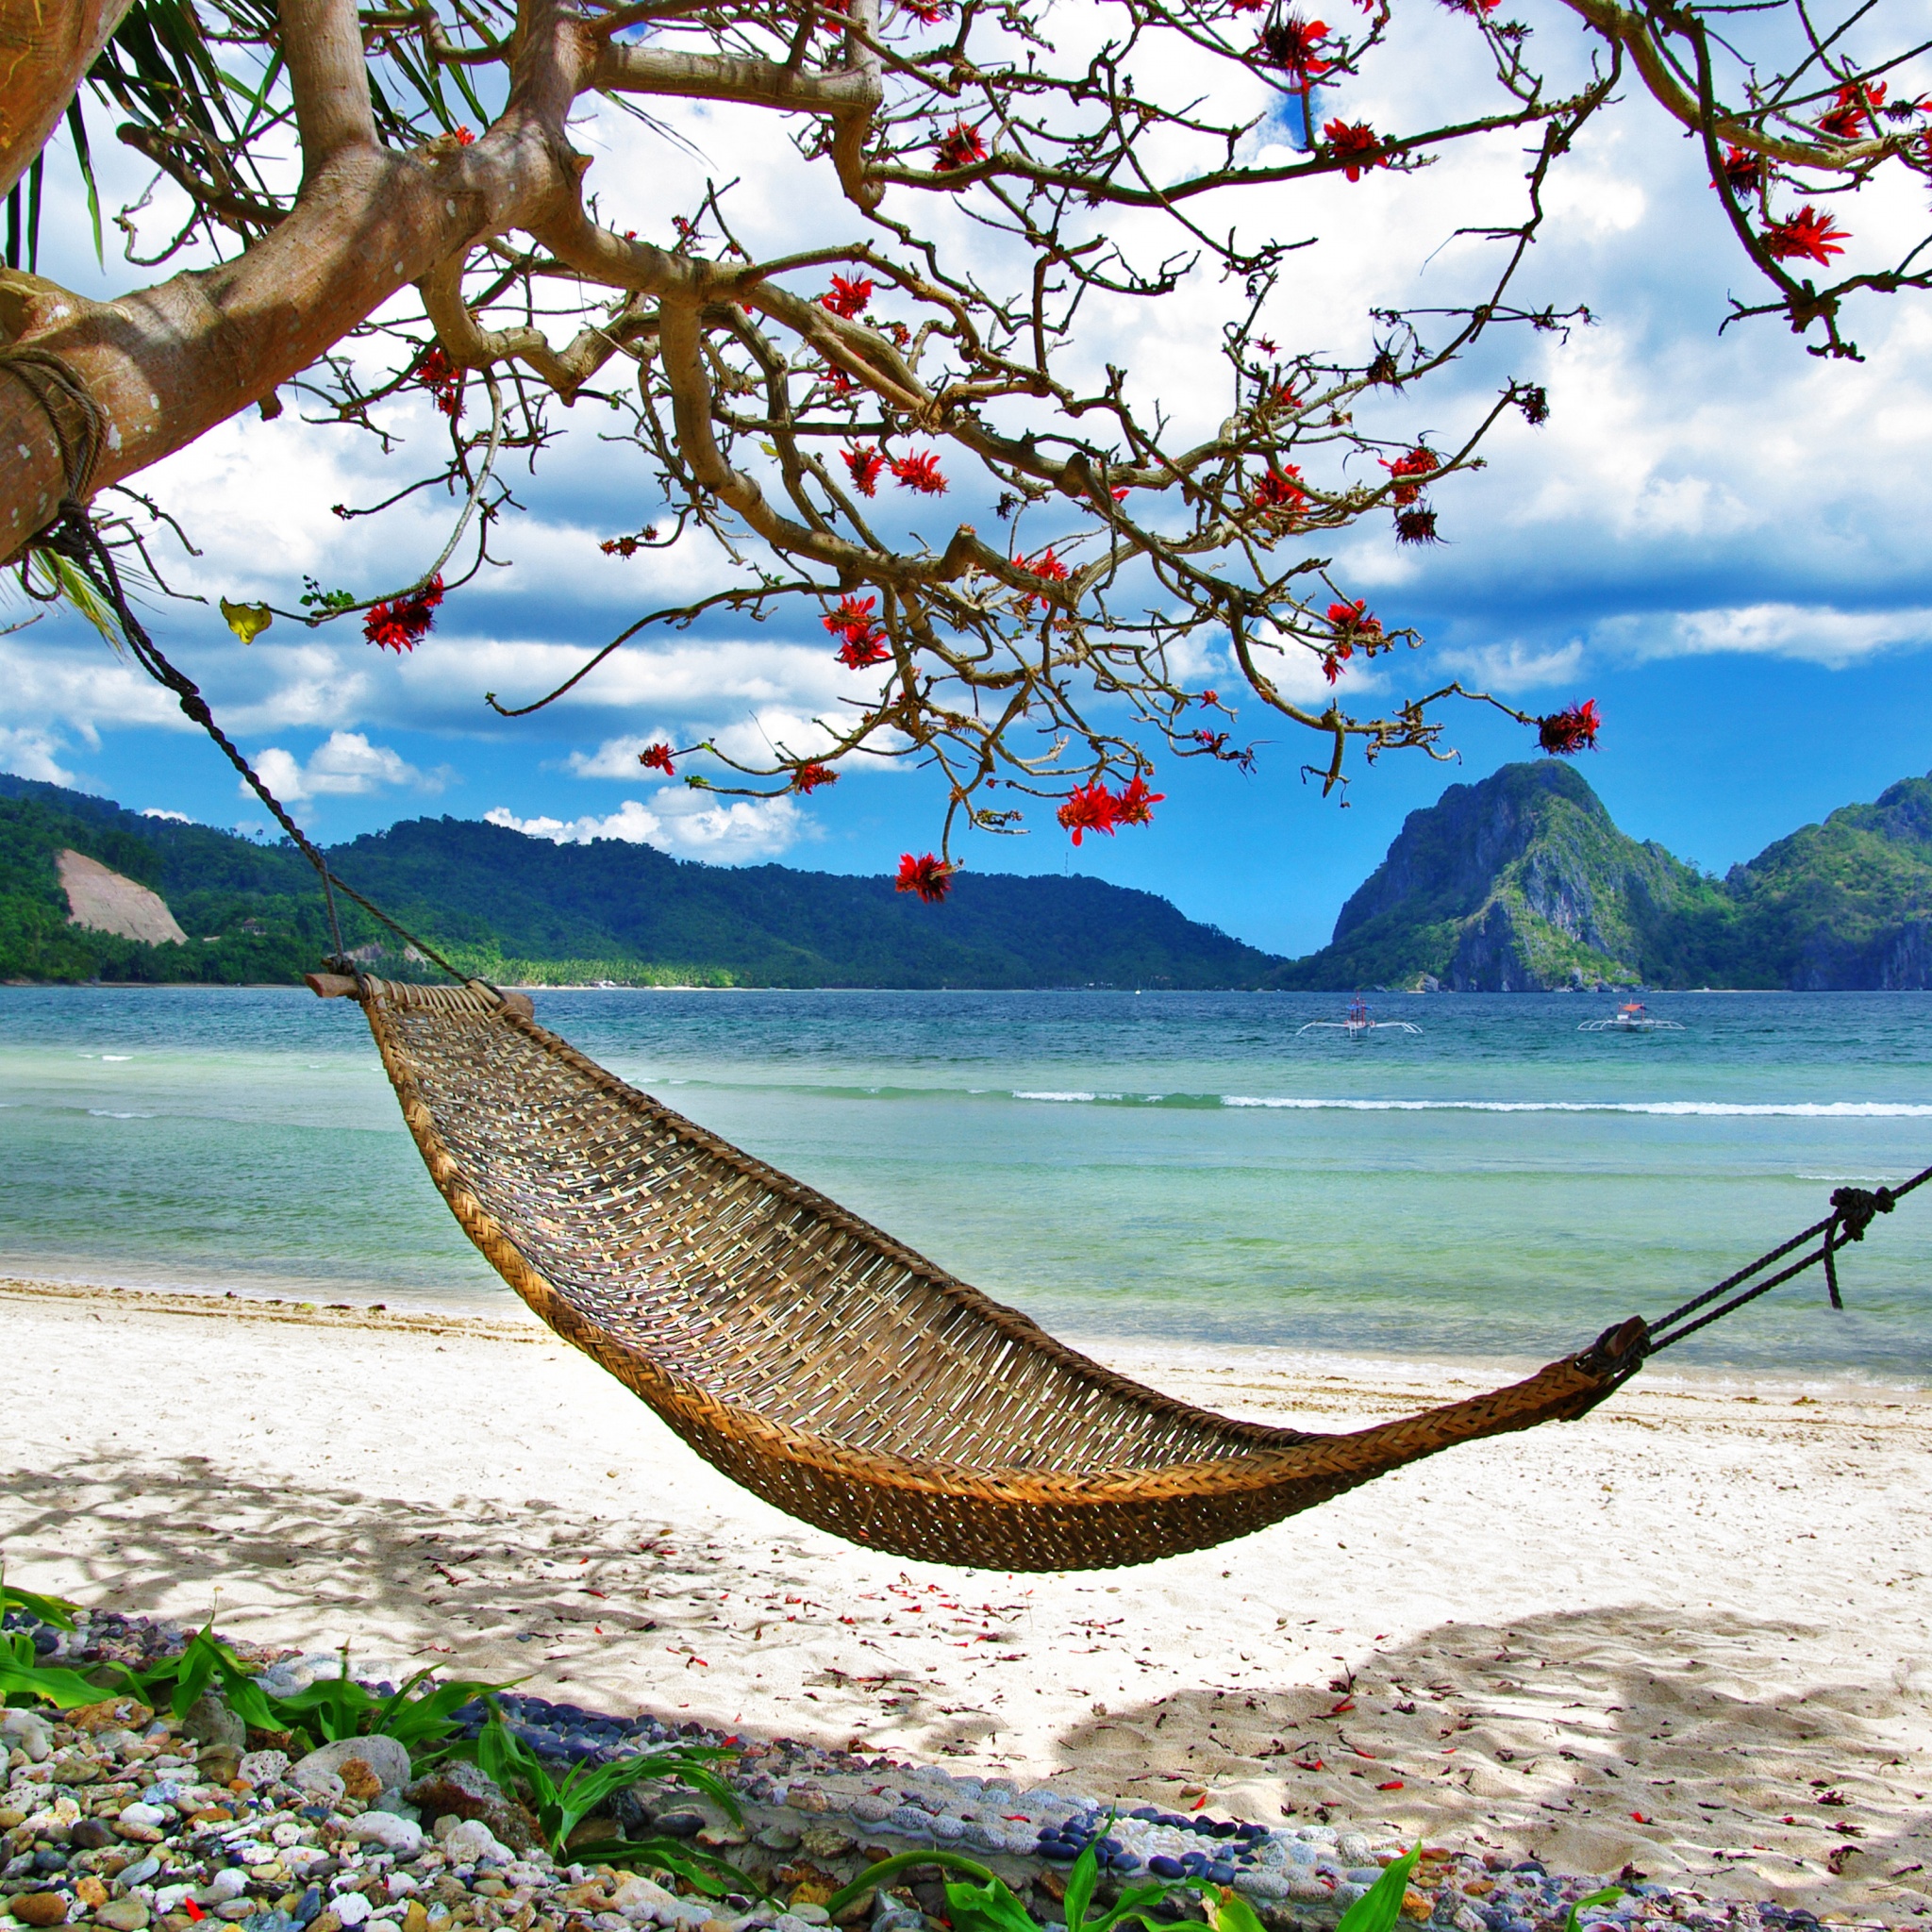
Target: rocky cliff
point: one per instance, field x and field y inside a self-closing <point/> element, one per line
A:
<point x="1513" y="885"/>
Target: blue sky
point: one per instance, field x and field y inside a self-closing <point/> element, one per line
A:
<point x="1721" y="539"/>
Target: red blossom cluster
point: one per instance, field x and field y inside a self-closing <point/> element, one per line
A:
<point x="1808" y="234"/>
<point x="461" y="136"/>
<point x="1047" y="567"/>
<point x="958" y="147"/>
<point x="1848" y="114"/>
<point x="927" y="12"/>
<point x="810" y="775"/>
<point x="848" y="295"/>
<point x="865" y="637"/>
<point x="866" y="465"/>
<point x="1564" y="734"/>
<point x="919" y="472"/>
<point x="629" y="546"/>
<point x="1094" y="809"/>
<point x="1743" y="170"/>
<point x="1293" y="44"/>
<point x="930" y="876"/>
<point x="1353" y="623"/>
<point x="1419" y="462"/>
<point x="1477" y="9"/>
<point x="1358" y="144"/>
<point x="400" y="623"/>
<point x="1281" y="491"/>
<point x="1416" y="526"/>
<point x="443" y="380"/>
<point x="656" y="757"/>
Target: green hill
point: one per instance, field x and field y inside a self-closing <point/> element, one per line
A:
<point x="521" y="908"/>
<point x="1523" y="882"/>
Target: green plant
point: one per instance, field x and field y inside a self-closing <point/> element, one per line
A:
<point x="339" y="1707"/>
<point x="55" y="1610"/>
<point x="23" y="1674"/>
<point x="1378" y="1907"/>
<point x="1608" y="1896"/>
<point x="562" y="1805"/>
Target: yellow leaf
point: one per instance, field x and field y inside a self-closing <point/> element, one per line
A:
<point x="247" y="621"/>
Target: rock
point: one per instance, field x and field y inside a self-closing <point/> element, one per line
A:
<point x="219" y="1762"/>
<point x="812" y="1910"/>
<point x="324" y="1787"/>
<point x="90" y="1891"/>
<point x="801" y="1798"/>
<point x="385" y="1760"/>
<point x="642" y="1898"/>
<point x="230" y="1882"/>
<point x="385" y="1828"/>
<point x="27" y="1730"/>
<point x="415" y="1919"/>
<point x="41" y="1909"/>
<point x="263" y="1768"/>
<point x="685" y="1823"/>
<point x="89" y="1835"/>
<point x="138" y="1813"/>
<point x="352" y="1908"/>
<point x="123" y="1915"/>
<point x="462" y="1790"/>
<point x="209" y="1720"/>
<point x="111" y="1714"/>
<point x="140" y="1872"/>
<point x="470" y="1840"/>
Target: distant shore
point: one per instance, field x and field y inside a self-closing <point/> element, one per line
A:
<point x="1675" y="1635"/>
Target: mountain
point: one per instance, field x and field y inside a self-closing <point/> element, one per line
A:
<point x="1523" y="882"/>
<point x="520" y="908"/>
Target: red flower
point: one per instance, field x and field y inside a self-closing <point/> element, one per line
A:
<point x="401" y="623"/>
<point x="1088" y="808"/>
<point x="1849" y="113"/>
<point x="656" y="757"/>
<point x="629" y="546"/>
<point x="1807" y="233"/>
<point x="1564" y="734"/>
<point x="929" y="877"/>
<point x="959" y="147"/>
<point x="1046" y="566"/>
<point x="840" y="383"/>
<point x="1291" y="42"/>
<point x="1357" y="143"/>
<point x="808" y="778"/>
<point x="1135" y="805"/>
<point x="1742" y="170"/>
<point x="1355" y="619"/>
<point x="865" y="641"/>
<point x="463" y="137"/>
<point x="1094" y="809"/>
<point x="920" y="473"/>
<point x="1419" y="462"/>
<point x="443" y="380"/>
<point x="862" y="653"/>
<point x="1281" y="490"/>
<point x="927" y="12"/>
<point x="1416" y="526"/>
<point x="865" y="464"/>
<point x="1210" y="697"/>
<point x="848" y="297"/>
<point x="1474" y="8"/>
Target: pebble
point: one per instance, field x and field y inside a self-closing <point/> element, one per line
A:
<point x="401" y="1836"/>
<point x="386" y="1761"/>
<point x="352" y="1908"/>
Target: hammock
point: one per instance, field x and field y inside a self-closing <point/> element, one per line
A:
<point x="831" y="1371"/>
<point x="821" y="1364"/>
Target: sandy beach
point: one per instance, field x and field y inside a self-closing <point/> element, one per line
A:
<point x="1688" y="1634"/>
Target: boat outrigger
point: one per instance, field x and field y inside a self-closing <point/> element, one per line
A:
<point x="1358" y="1023"/>
<point x="1631" y="1017"/>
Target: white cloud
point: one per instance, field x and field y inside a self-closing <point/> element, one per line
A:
<point x="156" y="811"/>
<point x="1816" y="634"/>
<point x="741" y="833"/>
<point x="1515" y="666"/>
<point x="29" y="753"/>
<point x="346" y="765"/>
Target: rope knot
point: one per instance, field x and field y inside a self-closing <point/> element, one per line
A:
<point x="1855" y="1206"/>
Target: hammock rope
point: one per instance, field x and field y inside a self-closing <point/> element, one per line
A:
<point x="809" y="1355"/>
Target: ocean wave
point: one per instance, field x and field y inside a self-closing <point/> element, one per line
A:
<point x="1779" y="1109"/>
<point x="109" y="1113"/>
<point x="1018" y="1095"/>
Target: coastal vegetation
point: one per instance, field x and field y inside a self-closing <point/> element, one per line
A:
<point x="1518" y="883"/>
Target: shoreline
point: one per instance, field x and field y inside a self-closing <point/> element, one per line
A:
<point x="1145" y="1358"/>
<point x="1688" y="1633"/>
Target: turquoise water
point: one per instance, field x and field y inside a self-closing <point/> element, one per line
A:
<point x="1158" y="1166"/>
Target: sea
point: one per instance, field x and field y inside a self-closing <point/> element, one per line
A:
<point x="1174" y="1170"/>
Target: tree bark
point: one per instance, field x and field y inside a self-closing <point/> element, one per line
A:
<point x="47" y="46"/>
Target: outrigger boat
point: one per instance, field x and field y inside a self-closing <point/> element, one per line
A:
<point x="1631" y="1017"/>
<point x="1358" y="1023"/>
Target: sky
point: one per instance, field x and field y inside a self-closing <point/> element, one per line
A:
<point x="1720" y="537"/>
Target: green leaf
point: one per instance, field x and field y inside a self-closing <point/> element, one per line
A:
<point x="1080" y="1883"/>
<point x="989" y="1907"/>
<point x="1231" y="1912"/>
<point x="1378" y="1908"/>
<point x="1137" y="1902"/>
<point x="875" y="1875"/>
<point x="22" y="1674"/>
<point x="55" y="1610"/>
<point x="1608" y="1896"/>
<point x="76" y="127"/>
<point x="714" y="1876"/>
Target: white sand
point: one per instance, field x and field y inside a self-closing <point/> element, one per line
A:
<point x="1706" y="1605"/>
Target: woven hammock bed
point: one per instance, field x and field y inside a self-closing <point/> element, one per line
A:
<point x="823" y="1365"/>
